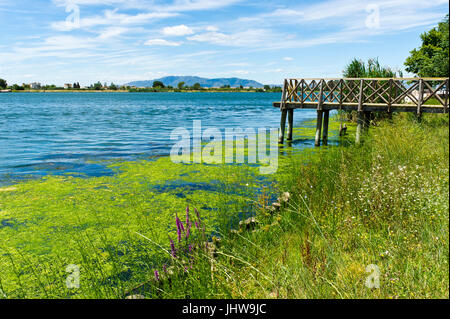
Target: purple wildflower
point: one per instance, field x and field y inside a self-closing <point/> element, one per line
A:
<point x="188" y="221"/>
<point x="165" y="268"/>
<point x="156" y="275"/>
<point x="180" y="228"/>
<point x="181" y="225"/>
<point x="172" y="246"/>
<point x="196" y="213"/>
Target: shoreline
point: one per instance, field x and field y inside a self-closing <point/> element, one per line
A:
<point x="137" y="91"/>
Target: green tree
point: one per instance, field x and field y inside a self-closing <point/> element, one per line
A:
<point x="97" y="86"/>
<point x="181" y="85"/>
<point x="113" y="87"/>
<point x="197" y="86"/>
<point x="3" y="84"/>
<point x="17" y="87"/>
<point x="158" y="84"/>
<point x="431" y="59"/>
<point x="372" y="69"/>
<point x="267" y="87"/>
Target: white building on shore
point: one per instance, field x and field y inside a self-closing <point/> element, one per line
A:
<point x="35" y="86"/>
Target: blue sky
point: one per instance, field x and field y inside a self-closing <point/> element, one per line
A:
<point x="119" y="41"/>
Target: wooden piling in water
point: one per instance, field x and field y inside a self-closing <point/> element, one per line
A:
<point x="282" y="126"/>
<point x="318" y="127"/>
<point x="290" y="124"/>
<point x="366" y="123"/>
<point x="326" y="120"/>
<point x="319" y="115"/>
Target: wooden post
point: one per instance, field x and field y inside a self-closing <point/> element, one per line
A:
<point x="366" y="123"/>
<point x="318" y="127"/>
<point x="446" y="97"/>
<point x="359" y="127"/>
<point x="326" y="119"/>
<point x="360" y="117"/>
<point x="283" y="112"/>
<point x="282" y="126"/>
<point x="341" y="99"/>
<point x="420" y="101"/>
<point x="389" y="113"/>
<point x="319" y="115"/>
<point x="290" y="124"/>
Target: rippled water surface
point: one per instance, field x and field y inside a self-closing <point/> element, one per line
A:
<point x="58" y="133"/>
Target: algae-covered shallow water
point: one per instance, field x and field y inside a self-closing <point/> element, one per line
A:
<point x="83" y="174"/>
<point x="58" y="133"/>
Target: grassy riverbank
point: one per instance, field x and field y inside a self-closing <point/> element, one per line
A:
<point x="383" y="203"/>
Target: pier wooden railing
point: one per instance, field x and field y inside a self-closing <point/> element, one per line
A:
<point x="363" y="95"/>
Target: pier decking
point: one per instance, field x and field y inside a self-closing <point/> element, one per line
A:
<point x="364" y="95"/>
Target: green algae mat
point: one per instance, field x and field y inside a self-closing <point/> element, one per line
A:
<point x="50" y="225"/>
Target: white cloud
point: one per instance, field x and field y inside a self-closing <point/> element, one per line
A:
<point x="241" y="72"/>
<point x="162" y="42"/>
<point x="112" y="17"/>
<point x="150" y="11"/>
<point x="247" y="38"/>
<point x="112" y="32"/>
<point x="178" y="30"/>
<point x="394" y="14"/>
<point x="287" y="58"/>
<point x="340" y="21"/>
<point x="122" y="3"/>
<point x="175" y="6"/>
<point x="212" y="37"/>
<point x="196" y="5"/>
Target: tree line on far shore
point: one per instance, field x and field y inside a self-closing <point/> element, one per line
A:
<point x="157" y="86"/>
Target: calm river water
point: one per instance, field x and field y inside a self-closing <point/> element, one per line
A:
<point x="59" y="133"/>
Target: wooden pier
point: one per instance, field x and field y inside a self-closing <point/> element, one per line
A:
<point x="363" y="95"/>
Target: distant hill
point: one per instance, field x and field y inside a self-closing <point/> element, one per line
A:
<point x="204" y="82"/>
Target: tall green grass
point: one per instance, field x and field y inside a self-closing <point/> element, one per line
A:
<point x="384" y="203"/>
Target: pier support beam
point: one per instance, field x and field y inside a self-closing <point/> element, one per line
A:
<point x="420" y="102"/>
<point x="366" y="124"/>
<point x="359" y="127"/>
<point x="282" y="126"/>
<point x="326" y="120"/>
<point x="318" y="127"/>
<point x="360" y="114"/>
<point x="290" y="124"/>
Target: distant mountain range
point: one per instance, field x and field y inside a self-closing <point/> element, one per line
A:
<point x="204" y="82"/>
